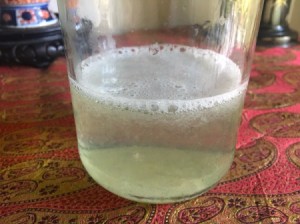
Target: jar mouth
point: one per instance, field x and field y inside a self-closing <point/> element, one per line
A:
<point x="21" y="2"/>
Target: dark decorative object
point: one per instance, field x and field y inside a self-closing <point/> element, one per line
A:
<point x="35" y="47"/>
<point x="29" y="33"/>
<point x="274" y="29"/>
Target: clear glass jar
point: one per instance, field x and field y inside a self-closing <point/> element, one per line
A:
<point x="157" y="90"/>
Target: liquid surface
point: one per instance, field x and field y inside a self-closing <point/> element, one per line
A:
<point x="157" y="72"/>
<point x="157" y="123"/>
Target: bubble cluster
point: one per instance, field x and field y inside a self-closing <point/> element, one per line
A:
<point x="160" y="78"/>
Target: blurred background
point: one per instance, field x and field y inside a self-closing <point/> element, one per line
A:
<point x="293" y="17"/>
<point x="39" y="47"/>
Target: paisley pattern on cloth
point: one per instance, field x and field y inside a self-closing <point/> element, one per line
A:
<point x="42" y="179"/>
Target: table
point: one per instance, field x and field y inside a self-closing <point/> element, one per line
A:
<point x="42" y="179"/>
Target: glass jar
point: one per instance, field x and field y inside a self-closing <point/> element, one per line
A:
<point x="157" y="90"/>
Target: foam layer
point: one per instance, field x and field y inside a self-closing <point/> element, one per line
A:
<point x="160" y="78"/>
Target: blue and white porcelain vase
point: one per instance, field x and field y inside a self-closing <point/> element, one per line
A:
<point x="25" y="14"/>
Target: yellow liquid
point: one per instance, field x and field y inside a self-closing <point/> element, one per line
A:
<point x="153" y="130"/>
<point x="150" y="174"/>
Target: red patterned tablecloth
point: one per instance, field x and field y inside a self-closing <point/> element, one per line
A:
<point x="42" y="179"/>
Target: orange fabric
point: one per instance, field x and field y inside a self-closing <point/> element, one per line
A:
<point x="43" y="181"/>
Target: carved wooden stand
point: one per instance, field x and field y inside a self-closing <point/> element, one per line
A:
<point x="36" y="47"/>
